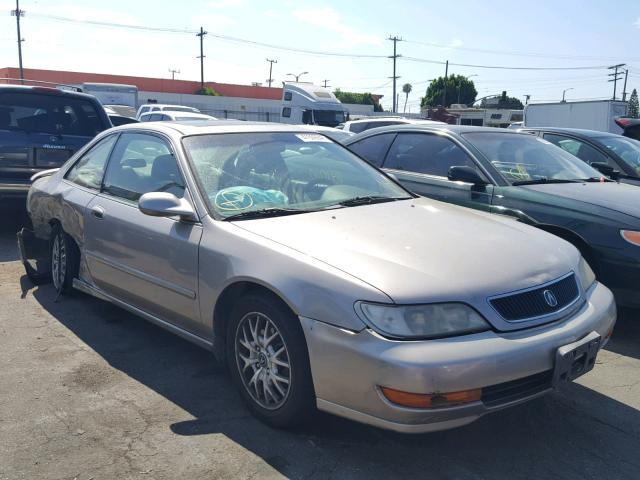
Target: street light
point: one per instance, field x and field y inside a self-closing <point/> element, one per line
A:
<point x="467" y="77"/>
<point x="297" y="76"/>
<point x="563" y="92"/>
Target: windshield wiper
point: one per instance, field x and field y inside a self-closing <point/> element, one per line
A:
<point x="594" y="179"/>
<point x="265" y="213"/>
<point x="538" y="181"/>
<point x="368" y="200"/>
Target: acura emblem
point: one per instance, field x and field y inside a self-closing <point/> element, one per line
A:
<point x="550" y="298"/>
<point x="53" y="138"/>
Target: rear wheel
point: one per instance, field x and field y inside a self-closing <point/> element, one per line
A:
<point x="268" y="361"/>
<point x="64" y="259"/>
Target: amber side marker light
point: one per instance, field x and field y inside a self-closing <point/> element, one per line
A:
<point x="433" y="400"/>
<point x="631" y="236"/>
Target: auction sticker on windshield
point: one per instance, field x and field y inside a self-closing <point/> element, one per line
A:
<point x="312" y="137"/>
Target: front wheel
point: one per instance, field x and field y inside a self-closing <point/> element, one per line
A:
<point x="64" y="260"/>
<point x="268" y="361"/>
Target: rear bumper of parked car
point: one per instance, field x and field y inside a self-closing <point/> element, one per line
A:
<point x="14" y="189"/>
<point x="349" y="368"/>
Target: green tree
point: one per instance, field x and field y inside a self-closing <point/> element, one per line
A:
<point x="358" y="99"/>
<point x="207" y="91"/>
<point x="433" y="96"/>
<point x="633" y="104"/>
<point x="406" y="88"/>
<point x="502" y="101"/>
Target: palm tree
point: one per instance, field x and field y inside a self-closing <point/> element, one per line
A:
<point x="406" y="88"/>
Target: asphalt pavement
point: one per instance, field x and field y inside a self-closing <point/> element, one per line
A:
<point x="89" y="391"/>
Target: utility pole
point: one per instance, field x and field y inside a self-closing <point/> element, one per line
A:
<point x="615" y="77"/>
<point x="395" y="56"/>
<point x="19" y="13"/>
<point x="270" y="79"/>
<point x="624" y="89"/>
<point x="444" y="90"/>
<point x="526" y="99"/>
<point x="173" y="72"/>
<point x="201" y="57"/>
<point x="325" y="83"/>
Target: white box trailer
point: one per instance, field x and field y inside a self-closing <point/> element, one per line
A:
<point x="591" y="115"/>
<point x="112" y="93"/>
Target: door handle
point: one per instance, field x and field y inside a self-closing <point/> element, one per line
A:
<point x="98" y="212"/>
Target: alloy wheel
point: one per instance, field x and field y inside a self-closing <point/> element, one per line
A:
<point x="263" y="360"/>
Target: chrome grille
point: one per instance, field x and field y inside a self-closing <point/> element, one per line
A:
<point x="532" y="303"/>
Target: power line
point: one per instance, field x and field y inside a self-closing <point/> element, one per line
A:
<point x="514" y="53"/>
<point x="299" y="50"/>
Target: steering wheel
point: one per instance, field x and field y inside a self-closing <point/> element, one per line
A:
<point x="314" y="188"/>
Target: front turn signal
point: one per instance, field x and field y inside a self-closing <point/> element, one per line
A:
<point x="431" y="400"/>
<point x="631" y="236"/>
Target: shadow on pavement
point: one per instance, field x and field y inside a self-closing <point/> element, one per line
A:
<point x="13" y="216"/>
<point x="577" y="433"/>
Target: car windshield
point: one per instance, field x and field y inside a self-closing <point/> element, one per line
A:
<point x="328" y="118"/>
<point x="191" y="119"/>
<point x="626" y="148"/>
<point x="525" y="158"/>
<point x="53" y="114"/>
<point x="179" y="109"/>
<point x="240" y="173"/>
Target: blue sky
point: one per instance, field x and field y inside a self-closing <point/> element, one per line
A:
<point x="503" y="33"/>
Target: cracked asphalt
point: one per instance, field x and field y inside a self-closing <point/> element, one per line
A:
<point x="88" y="391"/>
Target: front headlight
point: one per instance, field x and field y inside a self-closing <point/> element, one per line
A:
<point x="422" y="321"/>
<point x="587" y="277"/>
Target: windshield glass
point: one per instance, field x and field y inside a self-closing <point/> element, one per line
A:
<point x="54" y="114"/>
<point x="523" y="157"/>
<point x="626" y="148"/>
<point x="328" y="118"/>
<point x="191" y="119"/>
<point x="244" y="172"/>
<point x="179" y="109"/>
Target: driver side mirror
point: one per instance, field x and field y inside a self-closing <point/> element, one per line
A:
<point x="465" y="174"/>
<point x="164" y="204"/>
<point x="605" y="169"/>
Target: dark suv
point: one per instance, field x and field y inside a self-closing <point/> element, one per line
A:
<point x="40" y="128"/>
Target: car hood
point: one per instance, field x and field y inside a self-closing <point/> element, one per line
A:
<point x="620" y="197"/>
<point x="422" y="250"/>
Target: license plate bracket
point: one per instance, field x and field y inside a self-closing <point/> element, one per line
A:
<point x="576" y="359"/>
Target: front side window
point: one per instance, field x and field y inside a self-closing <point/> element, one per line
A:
<point x="426" y="153"/>
<point x="286" y="112"/>
<point x="373" y="149"/>
<point x="579" y="149"/>
<point x="245" y="172"/>
<point x="142" y="163"/>
<point x="625" y="148"/>
<point x="88" y="171"/>
<point x="525" y="158"/>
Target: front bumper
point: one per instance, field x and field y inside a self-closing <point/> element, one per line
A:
<point x="348" y="368"/>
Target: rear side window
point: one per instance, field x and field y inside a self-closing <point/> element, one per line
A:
<point x="51" y="114"/>
<point x="373" y="149"/>
<point x="89" y="170"/>
<point x="426" y="153"/>
<point x="142" y="163"/>
<point x="580" y="149"/>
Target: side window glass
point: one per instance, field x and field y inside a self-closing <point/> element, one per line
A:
<point x="426" y="153"/>
<point x="286" y="112"/>
<point x="89" y="170"/>
<point x="358" y="127"/>
<point x="373" y="149"/>
<point x="140" y="164"/>
<point x="579" y="149"/>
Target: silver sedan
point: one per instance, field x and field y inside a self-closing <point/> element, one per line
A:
<point x="319" y="280"/>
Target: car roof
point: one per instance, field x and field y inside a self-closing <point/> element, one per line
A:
<point x="185" y="127"/>
<point x="432" y="127"/>
<point x="45" y="91"/>
<point x="579" y="132"/>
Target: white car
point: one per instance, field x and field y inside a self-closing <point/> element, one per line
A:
<point x="169" y="116"/>
<point x="357" y="126"/>
<point x="333" y="133"/>
<point x="157" y="107"/>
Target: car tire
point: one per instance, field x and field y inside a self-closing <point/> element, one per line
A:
<point x="263" y="336"/>
<point x="65" y="260"/>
